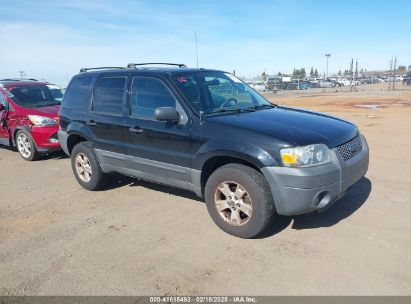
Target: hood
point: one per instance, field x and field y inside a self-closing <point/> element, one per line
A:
<point x="49" y="110"/>
<point x="297" y="127"/>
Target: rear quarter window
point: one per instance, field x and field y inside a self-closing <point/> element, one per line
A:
<point x="77" y="94"/>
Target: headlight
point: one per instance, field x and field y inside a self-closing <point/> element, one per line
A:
<point x="307" y="156"/>
<point x="42" y="121"/>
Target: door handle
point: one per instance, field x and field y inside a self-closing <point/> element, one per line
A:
<point x="91" y="123"/>
<point x="136" y="130"/>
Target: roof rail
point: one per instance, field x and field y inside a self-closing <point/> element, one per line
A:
<point x="134" y="65"/>
<point x="83" y="70"/>
<point x="18" y="79"/>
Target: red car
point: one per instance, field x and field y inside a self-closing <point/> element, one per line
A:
<point x="29" y="116"/>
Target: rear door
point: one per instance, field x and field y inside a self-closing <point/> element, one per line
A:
<point x="159" y="149"/>
<point x="4" y="133"/>
<point x="106" y="119"/>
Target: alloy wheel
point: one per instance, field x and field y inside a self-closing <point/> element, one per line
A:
<point x="233" y="203"/>
<point x="83" y="167"/>
<point x="24" y="145"/>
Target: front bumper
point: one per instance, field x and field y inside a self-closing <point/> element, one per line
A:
<point x="302" y="190"/>
<point x="45" y="138"/>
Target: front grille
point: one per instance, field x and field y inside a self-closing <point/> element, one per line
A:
<point x="350" y="148"/>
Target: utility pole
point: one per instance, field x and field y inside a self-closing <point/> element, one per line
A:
<point x="327" y="56"/>
<point x="395" y="67"/>
<point x="352" y="73"/>
<point x="195" y="35"/>
<point x="391" y="74"/>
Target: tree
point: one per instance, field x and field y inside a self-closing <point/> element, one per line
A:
<point x="312" y="72"/>
<point x="402" y="68"/>
<point x="339" y="72"/>
<point x="316" y="73"/>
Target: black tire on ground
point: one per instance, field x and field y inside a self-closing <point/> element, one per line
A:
<point x="98" y="179"/>
<point x="263" y="209"/>
<point x="27" y="153"/>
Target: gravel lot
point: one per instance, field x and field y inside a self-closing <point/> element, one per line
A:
<point x="138" y="238"/>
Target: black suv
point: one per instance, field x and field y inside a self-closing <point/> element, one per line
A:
<point x="207" y="131"/>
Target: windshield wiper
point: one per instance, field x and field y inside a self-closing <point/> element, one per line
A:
<point x="263" y="106"/>
<point x="234" y="111"/>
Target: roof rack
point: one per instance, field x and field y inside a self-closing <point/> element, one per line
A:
<point x="134" y="65"/>
<point x="18" y="79"/>
<point x="83" y="70"/>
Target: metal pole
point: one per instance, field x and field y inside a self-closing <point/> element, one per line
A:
<point x="327" y="56"/>
<point x="195" y="35"/>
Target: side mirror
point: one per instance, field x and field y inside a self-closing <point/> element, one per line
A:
<point x="166" y="114"/>
<point x="2" y="107"/>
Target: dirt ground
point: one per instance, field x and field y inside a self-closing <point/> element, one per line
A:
<point x="137" y="238"/>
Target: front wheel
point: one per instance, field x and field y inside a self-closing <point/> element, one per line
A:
<point x="25" y="146"/>
<point x="239" y="200"/>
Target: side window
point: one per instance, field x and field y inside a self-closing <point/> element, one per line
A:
<point x="76" y="96"/>
<point x="147" y="94"/>
<point x="108" y="95"/>
<point x="3" y="100"/>
<point x="222" y="89"/>
<point x="189" y="87"/>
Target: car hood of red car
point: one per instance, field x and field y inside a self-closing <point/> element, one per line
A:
<point x="51" y="110"/>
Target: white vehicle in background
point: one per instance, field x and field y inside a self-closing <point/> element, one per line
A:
<point x="344" y="81"/>
<point x="325" y="84"/>
<point x="259" y="86"/>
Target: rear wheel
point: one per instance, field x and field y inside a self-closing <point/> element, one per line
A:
<point x="239" y="200"/>
<point x="86" y="167"/>
<point x="25" y="146"/>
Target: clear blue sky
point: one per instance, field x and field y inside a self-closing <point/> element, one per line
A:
<point x="53" y="39"/>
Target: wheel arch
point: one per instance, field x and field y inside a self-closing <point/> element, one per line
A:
<point x="74" y="138"/>
<point x="216" y="161"/>
<point x="77" y="132"/>
<point x="18" y="128"/>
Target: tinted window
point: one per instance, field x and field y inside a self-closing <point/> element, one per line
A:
<point x="108" y="95"/>
<point x="76" y="96"/>
<point x="190" y="89"/>
<point x="147" y="94"/>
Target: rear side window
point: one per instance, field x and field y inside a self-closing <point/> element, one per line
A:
<point x="147" y="94"/>
<point x="108" y="95"/>
<point x="77" y="93"/>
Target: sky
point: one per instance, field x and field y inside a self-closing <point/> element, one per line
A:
<point x="53" y="39"/>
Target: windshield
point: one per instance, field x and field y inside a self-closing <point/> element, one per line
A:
<point x="213" y="93"/>
<point x="36" y="96"/>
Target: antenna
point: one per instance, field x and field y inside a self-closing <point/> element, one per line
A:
<point x="195" y="36"/>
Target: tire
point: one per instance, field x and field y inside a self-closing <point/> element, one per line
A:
<point x="257" y="195"/>
<point x="25" y="146"/>
<point x="86" y="167"/>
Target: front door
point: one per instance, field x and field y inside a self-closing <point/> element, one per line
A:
<point x="157" y="150"/>
<point x="4" y="131"/>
